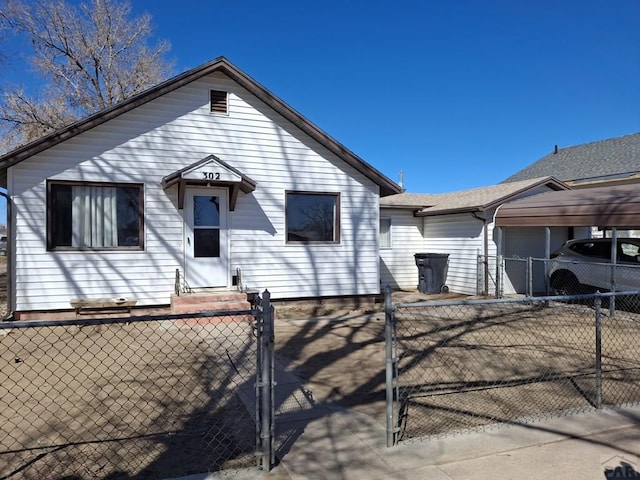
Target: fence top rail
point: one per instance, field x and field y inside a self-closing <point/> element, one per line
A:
<point x="562" y="260"/>
<point x="589" y="262"/>
<point x="527" y="299"/>
<point x="133" y="319"/>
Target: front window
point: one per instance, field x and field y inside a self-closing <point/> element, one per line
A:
<point x="313" y="217"/>
<point x="92" y="216"/>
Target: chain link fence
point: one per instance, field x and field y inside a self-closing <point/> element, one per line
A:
<point x="503" y="276"/>
<point x="462" y="366"/>
<point x="137" y="397"/>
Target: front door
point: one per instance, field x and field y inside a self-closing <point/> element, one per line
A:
<point x="205" y="242"/>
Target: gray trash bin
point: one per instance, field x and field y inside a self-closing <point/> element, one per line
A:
<point x="432" y="272"/>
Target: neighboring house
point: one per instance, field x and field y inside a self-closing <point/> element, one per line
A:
<point x="615" y="161"/>
<point x="601" y="164"/>
<point x="207" y="174"/>
<point x="460" y="224"/>
<point x="541" y="210"/>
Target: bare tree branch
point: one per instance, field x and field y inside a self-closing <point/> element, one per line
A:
<point x="89" y="57"/>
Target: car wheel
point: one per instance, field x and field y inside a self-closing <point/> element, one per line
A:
<point x="564" y="282"/>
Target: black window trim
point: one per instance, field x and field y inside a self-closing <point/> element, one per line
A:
<point x="49" y="214"/>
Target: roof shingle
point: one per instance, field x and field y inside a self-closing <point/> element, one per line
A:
<point x="476" y="199"/>
<point x="606" y="159"/>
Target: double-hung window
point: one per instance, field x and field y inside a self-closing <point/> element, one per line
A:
<point x="94" y="216"/>
<point x="313" y="217"/>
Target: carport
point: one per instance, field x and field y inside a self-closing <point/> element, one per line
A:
<point x="611" y="207"/>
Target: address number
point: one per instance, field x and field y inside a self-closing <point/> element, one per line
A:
<point x="211" y="175"/>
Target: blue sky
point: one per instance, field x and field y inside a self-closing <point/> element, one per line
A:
<point x="455" y="93"/>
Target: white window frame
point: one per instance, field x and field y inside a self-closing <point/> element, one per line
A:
<point x="388" y="243"/>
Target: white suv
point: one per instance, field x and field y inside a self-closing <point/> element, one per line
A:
<point x="584" y="266"/>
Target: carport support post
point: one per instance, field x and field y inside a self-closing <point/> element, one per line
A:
<point x="547" y="256"/>
<point x="614" y="261"/>
<point x="598" y="305"/>
<point x="499" y="270"/>
<point x="529" y="277"/>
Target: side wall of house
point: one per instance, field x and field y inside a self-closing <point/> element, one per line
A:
<point x="461" y="236"/>
<point x="165" y="135"/>
<point x="397" y="263"/>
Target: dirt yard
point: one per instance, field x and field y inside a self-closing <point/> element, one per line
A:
<point x="148" y="399"/>
<point x="341" y="360"/>
<point x="151" y="396"/>
<point x="464" y="367"/>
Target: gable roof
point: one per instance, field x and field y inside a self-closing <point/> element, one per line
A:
<point x="227" y="176"/>
<point x="220" y="64"/>
<point x="467" y="201"/>
<point x="612" y="159"/>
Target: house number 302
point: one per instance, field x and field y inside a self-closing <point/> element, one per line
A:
<point x="211" y="175"/>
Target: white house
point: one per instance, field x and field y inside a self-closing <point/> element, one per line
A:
<point x="208" y="175"/>
<point x="460" y="224"/>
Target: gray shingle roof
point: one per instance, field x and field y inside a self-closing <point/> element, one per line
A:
<point x="409" y="200"/>
<point x="476" y="199"/>
<point x="606" y="159"/>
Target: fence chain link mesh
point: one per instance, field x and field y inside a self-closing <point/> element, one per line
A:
<point x="504" y="276"/>
<point x="139" y="397"/>
<point x="464" y="366"/>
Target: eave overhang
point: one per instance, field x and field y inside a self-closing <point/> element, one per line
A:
<point x="210" y="172"/>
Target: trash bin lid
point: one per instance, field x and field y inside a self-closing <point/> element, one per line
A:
<point x="430" y="255"/>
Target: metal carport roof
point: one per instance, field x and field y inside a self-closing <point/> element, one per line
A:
<point x="617" y="206"/>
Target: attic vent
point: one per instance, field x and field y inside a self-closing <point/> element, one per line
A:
<point x="219" y="102"/>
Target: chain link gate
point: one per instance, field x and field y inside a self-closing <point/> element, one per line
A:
<point x="137" y="397"/>
<point x="461" y="366"/>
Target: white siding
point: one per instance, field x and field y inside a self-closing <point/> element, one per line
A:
<point x="163" y="136"/>
<point x="461" y="236"/>
<point x="397" y="264"/>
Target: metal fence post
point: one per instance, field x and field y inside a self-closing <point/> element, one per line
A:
<point x="388" y="338"/>
<point x="259" y="330"/>
<point x="598" y="305"/>
<point x="530" y="276"/>
<point x="499" y="275"/>
<point x="482" y="287"/>
<point x="265" y="385"/>
<point x="272" y="381"/>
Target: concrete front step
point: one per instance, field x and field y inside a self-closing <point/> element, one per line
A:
<point x="209" y="301"/>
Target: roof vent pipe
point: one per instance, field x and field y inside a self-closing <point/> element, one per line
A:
<point x="555" y="149"/>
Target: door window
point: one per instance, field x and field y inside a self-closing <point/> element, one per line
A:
<point x="206" y="226"/>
